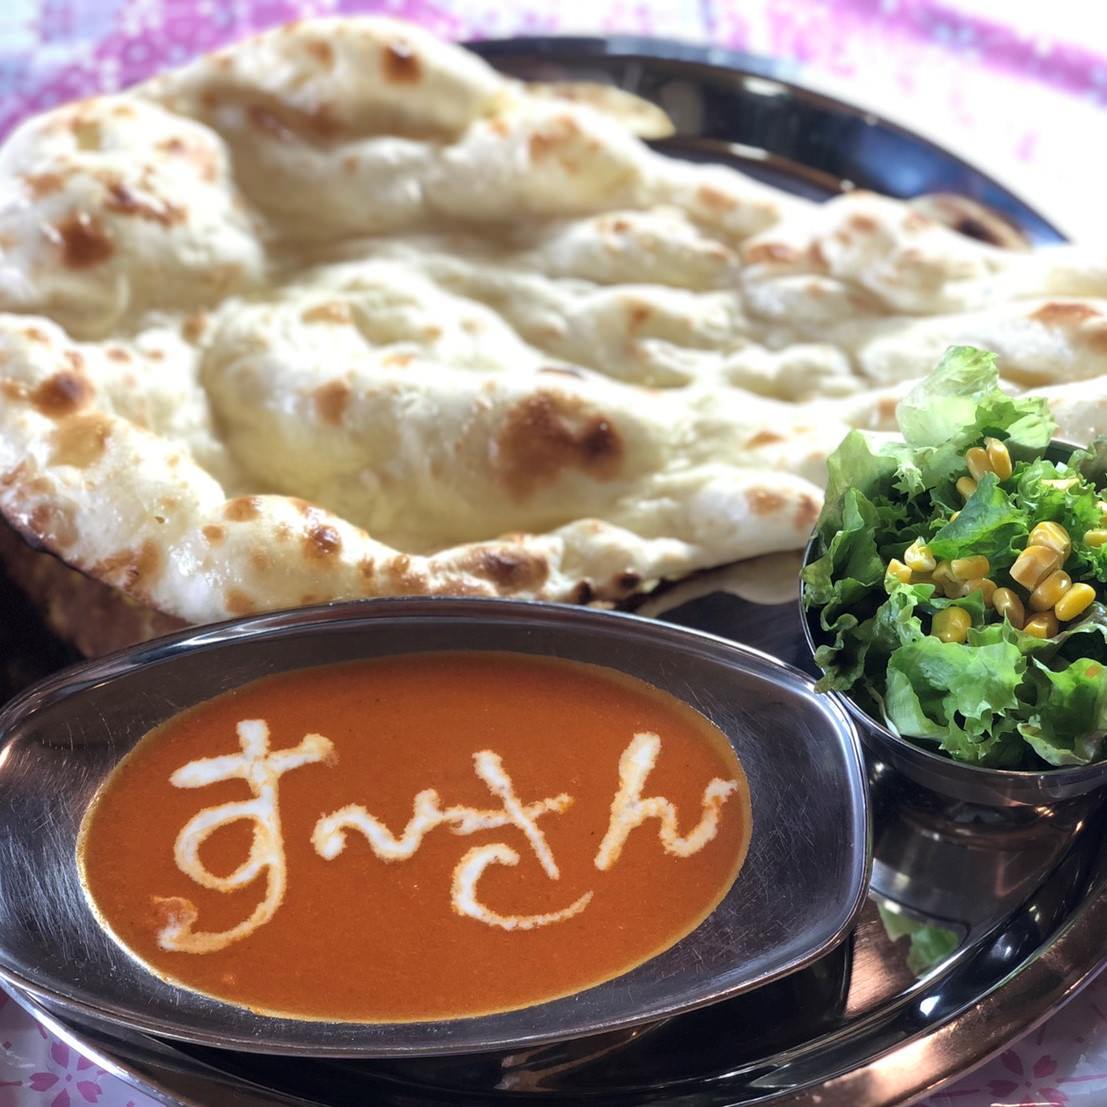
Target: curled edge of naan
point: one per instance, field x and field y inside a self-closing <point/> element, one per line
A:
<point x="134" y="511"/>
<point x="640" y="117"/>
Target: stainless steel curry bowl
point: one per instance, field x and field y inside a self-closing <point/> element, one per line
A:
<point x="796" y="897"/>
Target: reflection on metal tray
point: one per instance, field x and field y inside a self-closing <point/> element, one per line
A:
<point x="1002" y="912"/>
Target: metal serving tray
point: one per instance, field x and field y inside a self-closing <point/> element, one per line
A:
<point x="1016" y="901"/>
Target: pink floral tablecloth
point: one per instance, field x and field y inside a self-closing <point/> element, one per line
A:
<point x="1016" y="86"/>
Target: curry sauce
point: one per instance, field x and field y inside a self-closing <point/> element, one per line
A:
<point x="427" y="836"/>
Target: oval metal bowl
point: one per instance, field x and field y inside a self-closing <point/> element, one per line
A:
<point x="939" y="772"/>
<point x="797" y="895"/>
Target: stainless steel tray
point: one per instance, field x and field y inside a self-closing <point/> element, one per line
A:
<point x="1019" y="898"/>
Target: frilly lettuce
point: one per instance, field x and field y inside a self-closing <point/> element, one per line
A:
<point x="1002" y="698"/>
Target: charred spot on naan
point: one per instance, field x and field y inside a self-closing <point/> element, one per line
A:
<point x="1083" y="323"/>
<point x="764" y="501"/>
<point x="80" y="439"/>
<point x="131" y="571"/>
<point x="195" y="326"/>
<point x="509" y="570"/>
<point x="767" y="502"/>
<point x="547" y="433"/>
<point x="53" y="526"/>
<point x="83" y="240"/>
<point x="767" y="252"/>
<point x="320" y="51"/>
<point x="41" y="185"/>
<point x="400" y="64"/>
<point x="583" y="592"/>
<point x="807" y="512"/>
<point x="321" y="541"/>
<point x="238" y="603"/>
<point x="66" y="392"/>
<point x="1058" y="313"/>
<point x="764" y="438"/>
<point x="331" y="400"/>
<point x="715" y="199"/>
<point x="553" y="139"/>
<point x="329" y="311"/>
<point x="201" y="156"/>
<point x="242" y="509"/>
<point x="403" y="576"/>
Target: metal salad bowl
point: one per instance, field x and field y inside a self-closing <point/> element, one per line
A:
<point x="939" y="772"/>
<point x="796" y="897"/>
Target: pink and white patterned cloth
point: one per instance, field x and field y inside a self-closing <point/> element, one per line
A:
<point x="1016" y="86"/>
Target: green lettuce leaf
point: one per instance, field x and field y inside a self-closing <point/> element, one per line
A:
<point x="956" y="693"/>
<point x="851" y="566"/>
<point x="990" y="524"/>
<point x="960" y="404"/>
<point x="941" y="406"/>
<point x="1070" y="718"/>
<point x="1091" y="462"/>
<point x="853" y="464"/>
<point x="930" y="944"/>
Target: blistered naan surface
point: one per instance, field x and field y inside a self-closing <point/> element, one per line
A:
<point x="341" y="312"/>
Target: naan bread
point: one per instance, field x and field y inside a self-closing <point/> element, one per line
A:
<point x="341" y="312"/>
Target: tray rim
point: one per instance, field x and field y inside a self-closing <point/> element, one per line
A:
<point x="891" y="1075"/>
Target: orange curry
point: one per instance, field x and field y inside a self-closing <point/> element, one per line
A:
<point x="427" y="836"/>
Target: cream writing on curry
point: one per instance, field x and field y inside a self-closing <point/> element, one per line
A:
<point x="418" y="837"/>
<point x="262" y="769"/>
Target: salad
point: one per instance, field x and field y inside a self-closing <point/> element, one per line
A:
<point x="961" y="572"/>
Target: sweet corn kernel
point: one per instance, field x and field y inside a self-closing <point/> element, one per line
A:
<point x="1097" y="537"/>
<point x="969" y="568"/>
<point x="900" y="571"/>
<point x="951" y="625"/>
<point x="1052" y="535"/>
<point x="1074" y="602"/>
<point x="977" y="461"/>
<point x="981" y="584"/>
<point x="953" y="517"/>
<point x="1050" y="590"/>
<point x="1033" y="564"/>
<point x="966" y="486"/>
<point x="919" y="557"/>
<point x="1009" y="606"/>
<point x="1000" y="458"/>
<point x="953" y="589"/>
<point x="1041" y="626"/>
